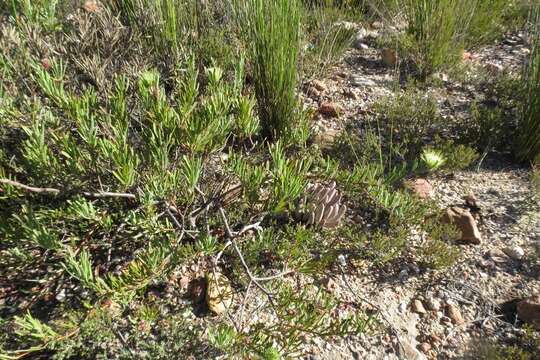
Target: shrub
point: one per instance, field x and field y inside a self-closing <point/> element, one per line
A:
<point x="458" y="156"/>
<point x="438" y="30"/>
<point x="487" y="21"/>
<point x="328" y="35"/>
<point x="271" y="30"/>
<point x="174" y="26"/>
<point x="409" y="121"/>
<point x="431" y="35"/>
<point x="528" y="138"/>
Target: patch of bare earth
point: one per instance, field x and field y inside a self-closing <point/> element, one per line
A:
<point x="429" y="314"/>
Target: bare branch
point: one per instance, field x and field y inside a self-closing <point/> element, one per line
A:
<point x="29" y="188"/>
<point x="53" y="191"/>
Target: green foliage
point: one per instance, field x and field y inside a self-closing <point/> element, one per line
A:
<point x="135" y="165"/>
<point x="298" y="313"/>
<point x="271" y="31"/>
<point x="328" y="35"/>
<point x="28" y="325"/>
<point x="489" y="128"/>
<point x="38" y="12"/>
<point x="222" y="337"/>
<point x="458" y="156"/>
<point x="432" y="159"/>
<point x="406" y="121"/>
<point x="488" y="21"/>
<point x="81" y="268"/>
<point x="288" y="177"/>
<point x="438" y="30"/>
<point x="528" y="135"/>
<point x="434" y="29"/>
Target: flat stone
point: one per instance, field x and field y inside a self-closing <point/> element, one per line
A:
<point x="497" y="256"/>
<point x="360" y="81"/>
<point x="418" y="307"/>
<point x="329" y="109"/>
<point x="420" y="187"/>
<point x="454" y="314"/>
<point x="528" y="310"/>
<point x="433" y="304"/>
<point x="325" y="139"/>
<point x="424" y="347"/>
<point x="389" y="57"/>
<point x="515" y="252"/>
<point x="409" y="352"/>
<point x="465" y="222"/>
<point x="319" y="85"/>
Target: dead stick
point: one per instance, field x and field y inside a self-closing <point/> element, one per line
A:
<point x="53" y="191"/>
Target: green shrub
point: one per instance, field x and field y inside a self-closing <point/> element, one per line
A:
<point x="433" y="27"/>
<point x="489" y="128"/>
<point x="438" y="30"/>
<point x="487" y="21"/>
<point x="458" y="156"/>
<point x="174" y="27"/>
<point x="271" y="30"/>
<point x="407" y="121"/>
<point x="328" y="34"/>
<point x="528" y="137"/>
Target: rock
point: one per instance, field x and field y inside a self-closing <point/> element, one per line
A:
<point x="407" y="351"/>
<point x="389" y="57"/>
<point x="319" y="85"/>
<point x="46" y="63"/>
<point x="377" y="25"/>
<point x="359" y="81"/>
<point x="342" y="260"/>
<point x="358" y="43"/>
<point x="515" y="252"/>
<point x="471" y="201"/>
<point x="361" y="34"/>
<point x="360" y="46"/>
<point x="441" y="76"/>
<point x="494" y="69"/>
<point x="91" y="6"/>
<point x="528" y="310"/>
<point x="329" y="284"/>
<point x="329" y="109"/>
<point x="466" y="55"/>
<point x="421" y="187"/>
<point x="325" y="139"/>
<point x="350" y="94"/>
<point x="402" y="307"/>
<point x="434" y="340"/>
<point x="465" y="222"/>
<point x="418" y="307"/>
<point x="61" y="296"/>
<point x="197" y="290"/>
<point x="497" y="256"/>
<point x="313" y="92"/>
<point x="219" y="293"/>
<point x="347" y="25"/>
<point x="424" y="347"/>
<point x="183" y="282"/>
<point x="433" y="304"/>
<point x="454" y="314"/>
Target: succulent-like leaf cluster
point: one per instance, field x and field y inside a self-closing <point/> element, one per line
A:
<point x="321" y="206"/>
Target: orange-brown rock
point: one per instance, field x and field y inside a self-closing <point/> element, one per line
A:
<point x="465" y="222"/>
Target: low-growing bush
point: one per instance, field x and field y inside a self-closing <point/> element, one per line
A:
<point x="407" y="121"/>
<point x="328" y="33"/>
<point x="271" y="31"/>
<point x="439" y="30"/>
<point x="528" y="137"/>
